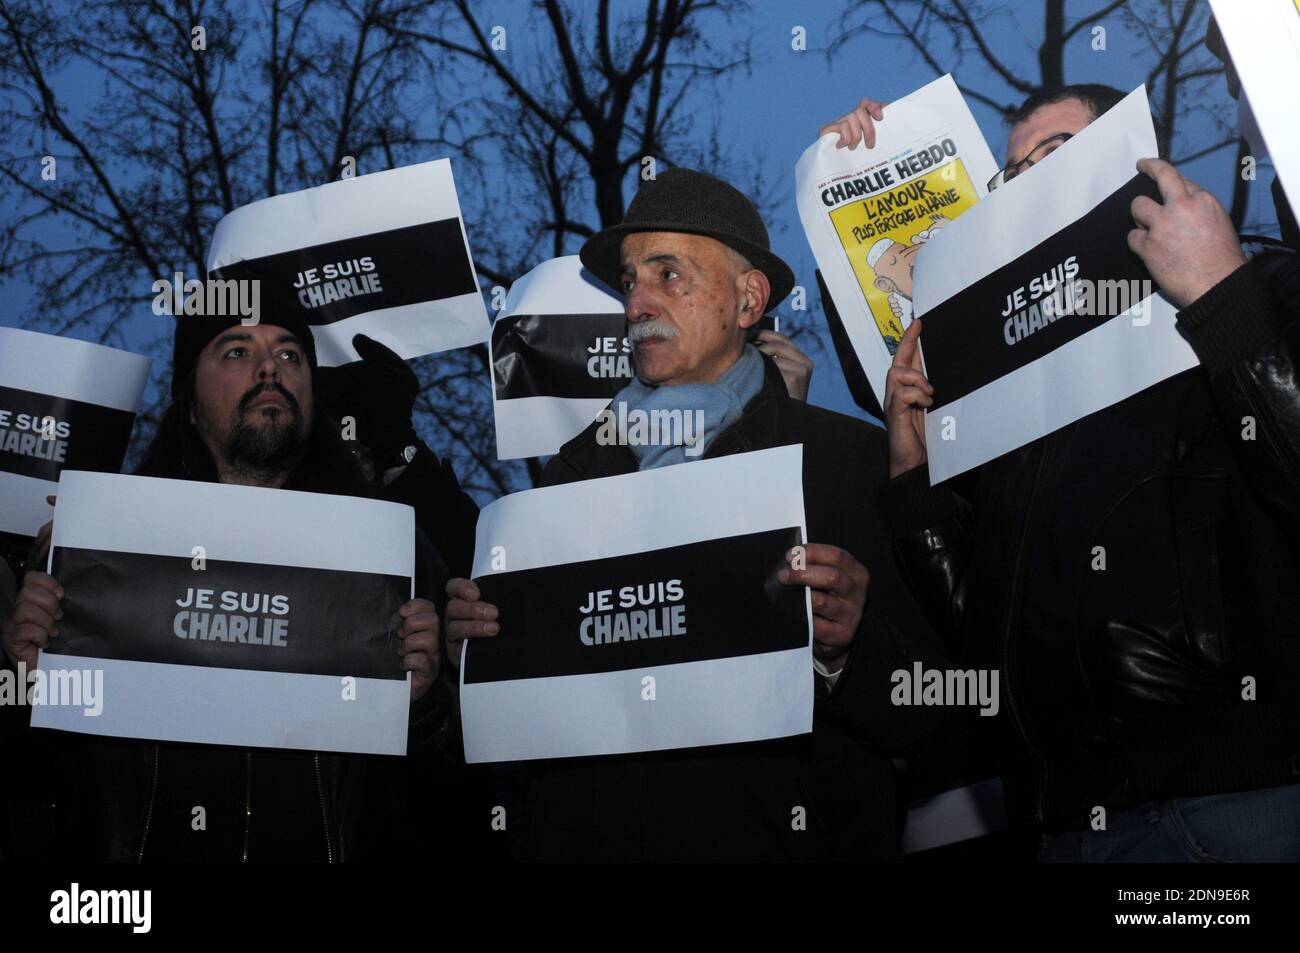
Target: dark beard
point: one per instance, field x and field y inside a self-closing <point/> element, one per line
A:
<point x="269" y="447"/>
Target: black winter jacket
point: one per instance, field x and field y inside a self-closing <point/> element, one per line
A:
<point x="127" y="800"/>
<point x="737" y="802"/>
<point x="443" y="510"/>
<point x="1135" y="576"/>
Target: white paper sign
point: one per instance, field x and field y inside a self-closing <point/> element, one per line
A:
<point x="64" y="403"/>
<point x="559" y="355"/>
<point x="1034" y="311"/>
<point x="642" y="612"/>
<point x="868" y="212"/>
<point x="231" y="614"/>
<point x="1263" y="38"/>
<point x="383" y="254"/>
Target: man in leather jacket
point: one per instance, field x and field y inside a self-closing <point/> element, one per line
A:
<point x="243" y="411"/>
<point x="1134" y="575"/>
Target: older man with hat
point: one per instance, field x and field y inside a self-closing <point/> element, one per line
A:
<point x="693" y="261"/>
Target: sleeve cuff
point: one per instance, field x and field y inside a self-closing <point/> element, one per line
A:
<point x="826" y="673"/>
<point x="1231" y="321"/>
<point x="911" y="505"/>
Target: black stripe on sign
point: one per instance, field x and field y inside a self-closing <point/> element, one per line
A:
<point x="86" y="436"/>
<point x="731" y="605"/>
<point x="963" y="338"/>
<point x="425" y="262"/>
<point x="565" y="355"/>
<point x="124" y="606"/>
<point x="560" y="355"/>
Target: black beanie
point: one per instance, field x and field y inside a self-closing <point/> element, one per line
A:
<point x="195" y="332"/>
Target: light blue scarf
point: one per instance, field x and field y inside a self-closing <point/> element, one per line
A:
<point x="720" y="404"/>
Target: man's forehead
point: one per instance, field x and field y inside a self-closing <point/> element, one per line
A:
<point x="255" y="332"/>
<point x="1069" y="115"/>
<point x="642" y="247"/>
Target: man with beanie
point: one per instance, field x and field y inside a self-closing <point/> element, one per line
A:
<point x="692" y="259"/>
<point x="243" y="412"/>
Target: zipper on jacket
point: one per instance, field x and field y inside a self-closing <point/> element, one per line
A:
<point x="148" y="815"/>
<point x="248" y="800"/>
<point x="1008" y="635"/>
<point x="324" y="816"/>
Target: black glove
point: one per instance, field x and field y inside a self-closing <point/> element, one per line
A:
<point x="378" y="392"/>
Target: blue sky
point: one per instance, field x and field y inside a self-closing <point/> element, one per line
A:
<point x="770" y="114"/>
<point x="798" y="92"/>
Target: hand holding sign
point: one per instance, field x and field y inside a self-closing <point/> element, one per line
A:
<point x="1188" y="243"/>
<point x="795" y="366"/>
<point x="907" y="394"/>
<point x="839" y="584"/>
<point x="34" y="620"/>
<point x="467" y="617"/>
<point x="857" y="125"/>
<point x="419" y="644"/>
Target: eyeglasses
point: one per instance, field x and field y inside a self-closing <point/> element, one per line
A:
<point x="1037" y="154"/>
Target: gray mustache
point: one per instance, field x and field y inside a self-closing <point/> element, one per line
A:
<point x="649" y="329"/>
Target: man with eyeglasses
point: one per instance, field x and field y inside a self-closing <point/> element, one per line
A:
<point x="1135" y="576"/>
<point x="1048" y="120"/>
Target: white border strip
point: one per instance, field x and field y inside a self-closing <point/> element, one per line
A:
<point x="539" y="426"/>
<point x="1103" y="367"/>
<point x="72" y="369"/>
<point x="138" y="514"/>
<point x="336" y="211"/>
<point x="713" y="702"/>
<point x="637" y="512"/>
<point x="224" y="706"/>
<point x="23" y="509"/>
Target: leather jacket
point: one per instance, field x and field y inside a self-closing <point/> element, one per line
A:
<point x="1135" y="576"/>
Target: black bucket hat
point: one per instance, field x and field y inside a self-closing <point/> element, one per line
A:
<point x="683" y="200"/>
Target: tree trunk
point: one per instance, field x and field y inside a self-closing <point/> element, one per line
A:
<point x="609" y="192"/>
<point x="1051" y="55"/>
<point x="1240" y="188"/>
